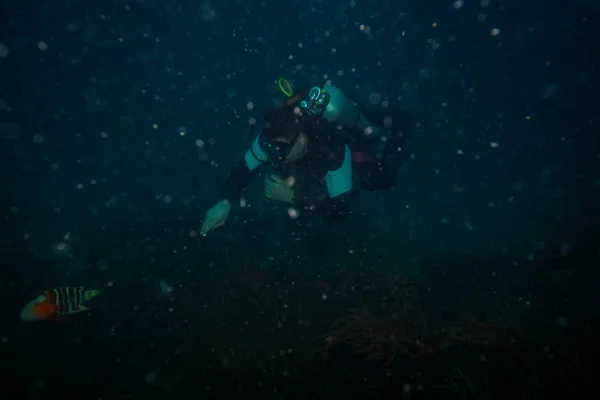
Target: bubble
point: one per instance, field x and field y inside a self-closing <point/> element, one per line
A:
<point x="38" y="138"/>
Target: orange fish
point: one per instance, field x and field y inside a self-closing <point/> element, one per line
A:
<point x="57" y="302"/>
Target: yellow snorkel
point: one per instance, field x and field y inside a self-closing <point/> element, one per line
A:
<point x="285" y="86"/>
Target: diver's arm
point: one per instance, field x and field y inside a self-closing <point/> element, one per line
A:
<point x="239" y="178"/>
<point x="243" y="173"/>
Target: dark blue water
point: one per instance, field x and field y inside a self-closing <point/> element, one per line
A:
<point x="474" y="277"/>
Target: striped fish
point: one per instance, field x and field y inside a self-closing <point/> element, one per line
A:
<point x="57" y="302"/>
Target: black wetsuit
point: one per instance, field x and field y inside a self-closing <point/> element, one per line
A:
<point x="326" y="150"/>
<point x="374" y="166"/>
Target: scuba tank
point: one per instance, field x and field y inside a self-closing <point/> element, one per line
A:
<point x="332" y="104"/>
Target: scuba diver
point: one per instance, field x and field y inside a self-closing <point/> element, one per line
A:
<point x="321" y="149"/>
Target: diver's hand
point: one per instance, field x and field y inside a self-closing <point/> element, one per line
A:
<point x="215" y="217"/>
<point x="277" y="189"/>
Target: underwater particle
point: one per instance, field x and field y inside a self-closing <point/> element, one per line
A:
<point x="324" y="296"/>
<point x="150" y="377"/>
<point x="4" y="339"/>
<point x="458" y="4"/>
<point x="60" y="248"/>
<point x="375" y="98"/>
<point x="165" y="288"/>
<point x="562" y="321"/>
<point x="110" y="284"/>
<point x="293" y="213"/>
<point x="38" y="138"/>
<point x="3" y="50"/>
<point x="494" y="145"/>
<point x="495" y="32"/>
<point x="168" y="199"/>
<point x="102" y="264"/>
<point x="43" y="46"/>
<point x="199" y="143"/>
<point x="14" y="209"/>
<point x="79" y="186"/>
<point x="565" y="248"/>
<point x="103" y="135"/>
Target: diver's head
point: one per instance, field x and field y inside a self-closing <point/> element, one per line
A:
<point x="282" y="138"/>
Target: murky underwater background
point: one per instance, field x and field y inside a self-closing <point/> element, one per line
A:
<point x="475" y="277"/>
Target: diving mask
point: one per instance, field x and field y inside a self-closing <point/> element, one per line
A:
<point x="277" y="151"/>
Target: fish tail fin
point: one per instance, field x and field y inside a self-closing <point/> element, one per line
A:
<point x="90" y="294"/>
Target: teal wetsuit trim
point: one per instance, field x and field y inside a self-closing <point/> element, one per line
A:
<point x="340" y="181"/>
<point x="255" y="156"/>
